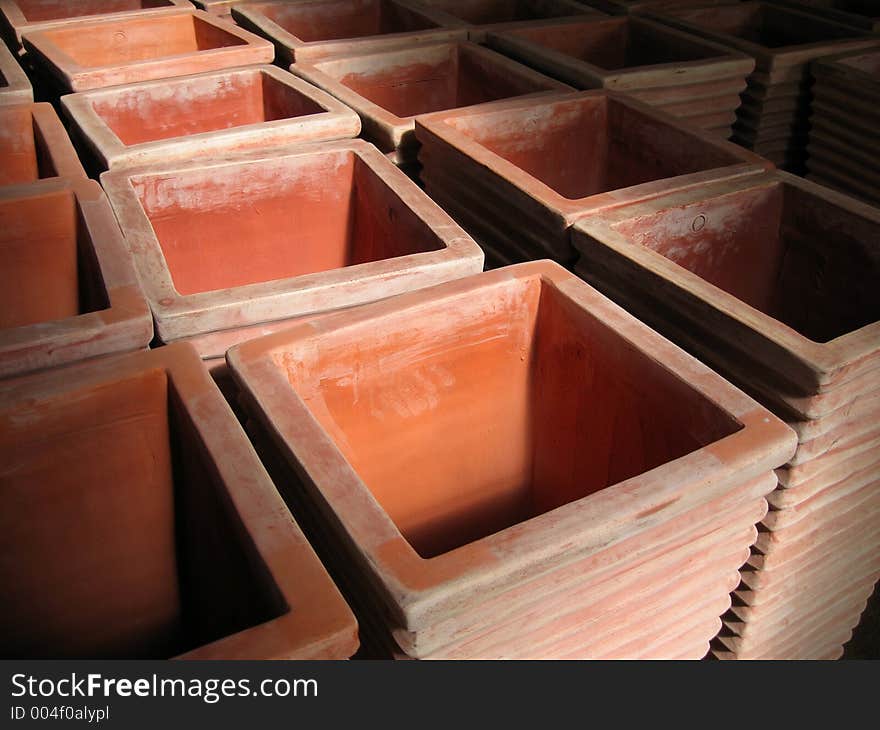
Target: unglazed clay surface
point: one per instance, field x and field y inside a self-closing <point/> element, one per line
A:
<point x="339" y="207"/>
<point x="34" y="145"/>
<point x="494" y="413"/>
<point x="182" y="549"/>
<point x="431" y="79"/>
<point x="209" y="114"/>
<point x="781" y="249"/>
<point x="39" y="281"/>
<point x="92" y="54"/>
<point x="337" y="19"/>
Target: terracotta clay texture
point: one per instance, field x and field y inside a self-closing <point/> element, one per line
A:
<point x="773" y="116"/>
<point x="215" y="113"/>
<point x="308" y="31"/>
<point x="857" y="13"/>
<point x="845" y="125"/>
<point x="621" y="7"/>
<point x="234" y="243"/>
<point x="34" y="145"/>
<point x="389" y="90"/>
<point x="519" y="173"/>
<point x="772" y="282"/>
<point x="94" y="54"/>
<point x="24" y="16"/>
<point x="69" y="291"/>
<point x="691" y="78"/>
<point x="515" y="539"/>
<point x="135" y="471"/>
<point x="15" y="88"/>
<point x="220" y="8"/>
<point x="485" y="16"/>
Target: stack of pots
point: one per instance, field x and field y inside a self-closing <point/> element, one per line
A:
<point x="771" y="280"/>
<point x="773" y="119"/>
<point x="845" y="126"/>
<point x="528" y="481"/>
<point x="517" y="174"/>
<point x="693" y="79"/>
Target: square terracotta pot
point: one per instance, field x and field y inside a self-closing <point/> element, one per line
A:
<point x="311" y="30"/>
<point x="857" y="13"/>
<point x="94" y="54"/>
<point x="34" y="145"/>
<point x="220" y="8"/>
<point x="24" y="16"/>
<point x="360" y="231"/>
<point x="799" y="329"/>
<point x="621" y="7"/>
<point x="485" y="16"/>
<point x="214" y="113"/>
<point x="687" y="76"/>
<point x="492" y="417"/>
<point x="390" y="89"/>
<point x="69" y="291"/>
<point x="15" y="88"/>
<point x="807" y="314"/>
<point x="782" y="40"/>
<point x="175" y="542"/>
<point x="534" y="166"/>
<point x="845" y="125"/>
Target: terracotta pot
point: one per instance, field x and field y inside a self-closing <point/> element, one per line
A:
<point x="797" y="328"/>
<point x="363" y="231"/>
<point x="215" y="113"/>
<point x="15" y="88"/>
<point x="782" y="40"/>
<point x="511" y="517"/>
<point x="486" y="16"/>
<point x="25" y="16"/>
<point x="533" y="166"/>
<point x="174" y="539"/>
<point x="621" y="7"/>
<point x="94" y="54"/>
<point x="857" y="13"/>
<point x="388" y="90"/>
<point x="34" y="145"/>
<point x="220" y="8"/>
<point x="844" y="125"/>
<point x="309" y="31"/>
<point x="69" y="291"/>
<point x="674" y="71"/>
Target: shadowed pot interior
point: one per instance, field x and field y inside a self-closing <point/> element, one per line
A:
<point x="336" y="19"/>
<point x="782" y="250"/>
<point x="868" y="63"/>
<point x="181" y="108"/>
<point x="434" y="78"/>
<point x="49" y="269"/>
<point x="484" y="12"/>
<point x="140" y="39"/>
<point x="469" y="414"/>
<point x="297" y="216"/>
<point x="765" y="24"/>
<point x="118" y="539"/>
<point x="590" y="145"/>
<point x="24" y="156"/>
<point x="43" y="10"/>
<point x="617" y="43"/>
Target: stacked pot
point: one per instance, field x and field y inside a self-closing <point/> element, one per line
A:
<point x="465" y="515"/>
<point x="845" y="126"/>
<point x="518" y="173"/>
<point x="691" y="78"/>
<point x="771" y="280"/>
<point x="773" y="119"/>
